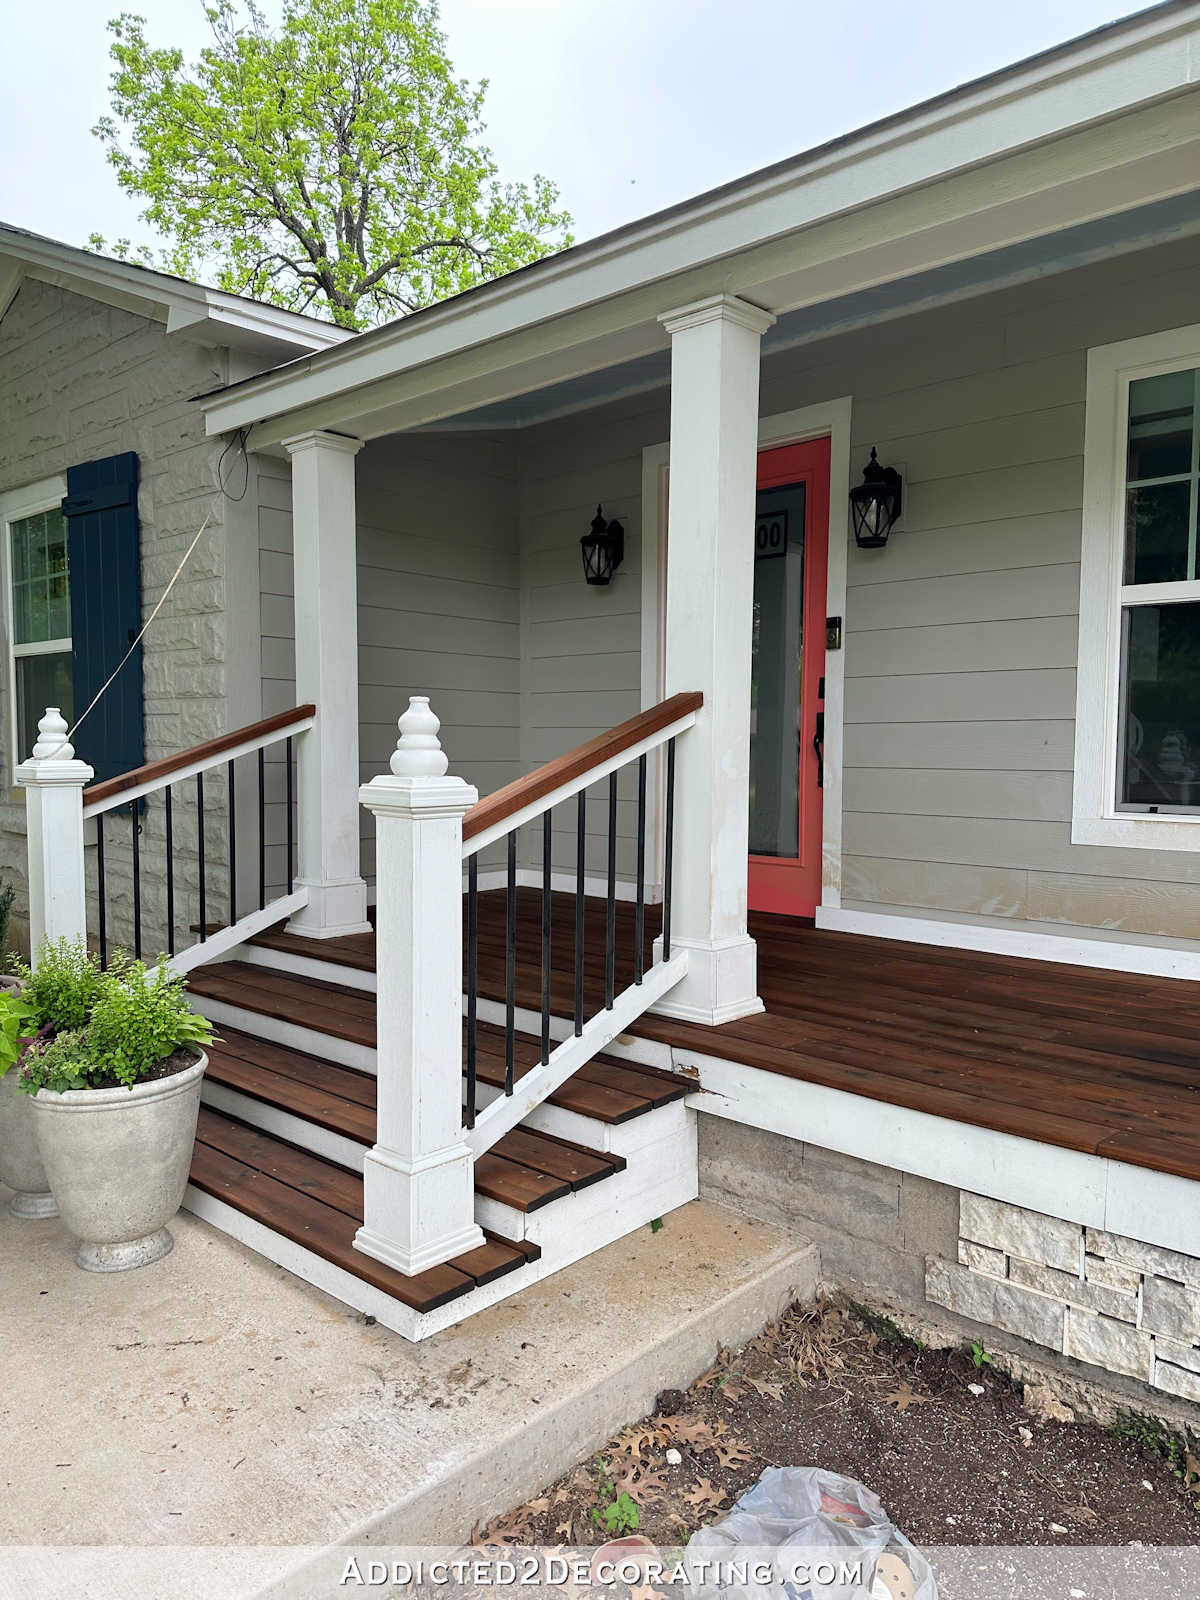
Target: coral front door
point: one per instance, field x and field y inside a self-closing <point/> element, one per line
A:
<point x="791" y="557"/>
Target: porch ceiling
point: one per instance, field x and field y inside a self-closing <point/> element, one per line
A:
<point x="1107" y="125"/>
<point x="1160" y="223"/>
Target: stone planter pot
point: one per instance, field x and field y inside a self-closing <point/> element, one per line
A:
<point x="118" y="1160"/>
<point x="20" y="1160"/>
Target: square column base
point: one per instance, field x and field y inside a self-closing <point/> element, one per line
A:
<point x="333" y="910"/>
<point x="418" y="1214"/>
<point x="721" y="984"/>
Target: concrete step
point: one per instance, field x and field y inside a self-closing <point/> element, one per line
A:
<point x="343" y="1433"/>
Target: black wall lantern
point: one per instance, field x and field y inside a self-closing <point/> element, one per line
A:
<point x="875" y="503"/>
<point x="603" y="548"/>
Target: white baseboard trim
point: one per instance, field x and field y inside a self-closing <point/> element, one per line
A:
<point x="1155" y="961"/>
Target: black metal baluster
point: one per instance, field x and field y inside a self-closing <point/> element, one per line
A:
<point x="100" y="888"/>
<point x="610" y="910"/>
<point x="200" y="854"/>
<point x="472" y="979"/>
<point x="168" y="816"/>
<point x="510" y="967"/>
<point x="291" y="877"/>
<point x="137" y="880"/>
<point x="232" y="848"/>
<point x="639" y="915"/>
<point x="262" y="828"/>
<point x="546" y="855"/>
<point x="580" y="841"/>
<point x="668" y="850"/>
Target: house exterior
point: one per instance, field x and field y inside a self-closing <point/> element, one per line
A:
<point x="99" y="362"/>
<point x="972" y="748"/>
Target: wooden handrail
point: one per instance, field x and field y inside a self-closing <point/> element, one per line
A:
<point x="154" y="773"/>
<point x="566" y="769"/>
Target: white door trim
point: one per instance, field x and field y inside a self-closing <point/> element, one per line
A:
<point x="828" y="417"/>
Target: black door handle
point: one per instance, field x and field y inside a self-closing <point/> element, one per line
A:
<point x="819" y="747"/>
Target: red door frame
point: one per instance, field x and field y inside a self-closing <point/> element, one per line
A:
<point x="793" y="887"/>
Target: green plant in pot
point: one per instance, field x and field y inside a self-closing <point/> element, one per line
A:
<point x="20" y="1160"/>
<point x="114" y="1083"/>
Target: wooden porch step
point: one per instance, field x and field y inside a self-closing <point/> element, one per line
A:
<point x="606" y="1089"/>
<point x="525" y="1169"/>
<point x="318" y="1205"/>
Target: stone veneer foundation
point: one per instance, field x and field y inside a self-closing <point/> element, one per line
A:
<point x="1127" y="1308"/>
<point x="1119" y="1304"/>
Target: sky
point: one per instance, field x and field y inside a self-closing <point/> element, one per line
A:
<point x="628" y="105"/>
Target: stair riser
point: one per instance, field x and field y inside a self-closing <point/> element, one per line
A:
<point x="285" y="1125"/>
<point x="663" y="1176"/>
<point x="311" y="1041"/>
<point x="257" y="955"/>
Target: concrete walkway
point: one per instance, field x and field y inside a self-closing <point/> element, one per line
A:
<point x="212" y="1399"/>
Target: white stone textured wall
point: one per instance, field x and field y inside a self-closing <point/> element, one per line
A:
<point x="1118" y="1304"/>
<point x="80" y="380"/>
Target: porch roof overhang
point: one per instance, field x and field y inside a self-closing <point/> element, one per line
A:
<point x="1105" y="126"/>
<point x="265" y="334"/>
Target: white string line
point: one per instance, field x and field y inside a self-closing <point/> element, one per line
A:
<point x="96" y="698"/>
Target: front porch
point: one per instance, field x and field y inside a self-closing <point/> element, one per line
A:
<point x="1100" y="1062"/>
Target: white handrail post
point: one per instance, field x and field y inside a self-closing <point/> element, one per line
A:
<point x="418" y="1181"/>
<point x="53" y="782"/>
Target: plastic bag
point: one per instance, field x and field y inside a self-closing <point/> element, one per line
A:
<point x="805" y="1534"/>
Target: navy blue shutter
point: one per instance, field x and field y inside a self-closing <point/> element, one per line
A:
<point x="105" y="576"/>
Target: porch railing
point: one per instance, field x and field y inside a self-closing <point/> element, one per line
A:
<point x="150" y="866"/>
<point x="499" y="817"/>
<point x="418" y="1188"/>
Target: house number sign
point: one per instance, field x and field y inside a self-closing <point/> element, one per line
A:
<point x="771" y="535"/>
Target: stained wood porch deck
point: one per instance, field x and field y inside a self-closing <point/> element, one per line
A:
<point x="1102" y="1062"/>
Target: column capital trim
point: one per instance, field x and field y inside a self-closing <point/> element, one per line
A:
<point x="318" y="438"/>
<point x="717" y="308"/>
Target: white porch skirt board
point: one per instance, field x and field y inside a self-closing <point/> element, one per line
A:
<point x="1094" y="1191"/>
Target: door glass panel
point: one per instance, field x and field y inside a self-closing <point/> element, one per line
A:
<point x="775" y="672"/>
<point x="1160" y="708"/>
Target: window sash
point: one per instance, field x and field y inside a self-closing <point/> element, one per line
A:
<point x="15" y="507"/>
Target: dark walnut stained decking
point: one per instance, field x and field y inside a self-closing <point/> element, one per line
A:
<point x="1103" y="1062"/>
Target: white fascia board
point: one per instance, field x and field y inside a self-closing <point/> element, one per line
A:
<point x="1124" y="67"/>
<point x="185" y="307"/>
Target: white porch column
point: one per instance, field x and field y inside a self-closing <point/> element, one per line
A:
<point x="418" y="1181"/>
<point x="326" y="589"/>
<point x="709" y="616"/>
<point x="53" y="782"/>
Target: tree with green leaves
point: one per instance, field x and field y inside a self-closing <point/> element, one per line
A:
<point x="333" y="164"/>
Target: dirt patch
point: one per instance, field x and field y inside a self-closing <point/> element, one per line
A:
<point x="942" y="1436"/>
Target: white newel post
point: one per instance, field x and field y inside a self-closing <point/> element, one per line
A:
<point x="326" y="604"/>
<point x="418" y="1181"/>
<point x="709" y="619"/>
<point x="54" y="782"/>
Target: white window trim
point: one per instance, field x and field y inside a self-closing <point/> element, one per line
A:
<point x="46" y="495"/>
<point x="1094" y="815"/>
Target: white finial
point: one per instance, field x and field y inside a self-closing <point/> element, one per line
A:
<point x="52" y="737"/>
<point x="418" y="754"/>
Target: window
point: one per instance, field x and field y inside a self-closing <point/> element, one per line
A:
<point x="37" y="611"/>
<point x="1137" y="733"/>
